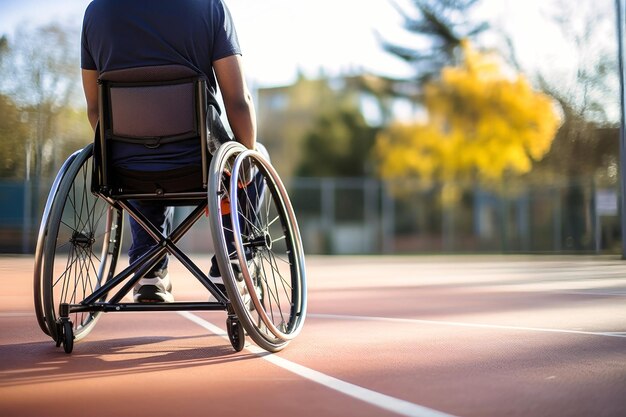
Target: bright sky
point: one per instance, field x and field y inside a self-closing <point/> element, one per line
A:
<point x="280" y="37"/>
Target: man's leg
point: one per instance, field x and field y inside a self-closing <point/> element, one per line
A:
<point x="155" y="286"/>
<point x="248" y="202"/>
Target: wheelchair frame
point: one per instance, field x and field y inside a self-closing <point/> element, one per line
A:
<point x="253" y="300"/>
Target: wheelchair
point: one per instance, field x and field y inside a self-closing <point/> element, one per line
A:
<point x="77" y="271"/>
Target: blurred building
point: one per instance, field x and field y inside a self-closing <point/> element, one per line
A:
<point x="286" y="113"/>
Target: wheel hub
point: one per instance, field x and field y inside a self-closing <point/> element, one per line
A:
<point x="82" y="239"/>
<point x="264" y="241"/>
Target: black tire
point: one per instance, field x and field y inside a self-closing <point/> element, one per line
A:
<point x="236" y="333"/>
<point x="68" y="337"/>
<point x="269" y="293"/>
<point x="39" y="253"/>
<point x="81" y="246"/>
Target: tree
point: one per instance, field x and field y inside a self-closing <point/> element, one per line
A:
<point x="13" y="139"/>
<point x="338" y="145"/>
<point x="440" y="26"/>
<point x="37" y="123"/>
<point x="315" y="127"/>
<point x="481" y="126"/>
<point x="4" y="48"/>
<point x="286" y="113"/>
<point x="42" y="75"/>
<point x="587" y="143"/>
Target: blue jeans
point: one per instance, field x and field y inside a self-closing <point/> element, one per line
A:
<point x="161" y="215"/>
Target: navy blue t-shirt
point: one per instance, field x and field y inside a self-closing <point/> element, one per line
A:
<point x="119" y="34"/>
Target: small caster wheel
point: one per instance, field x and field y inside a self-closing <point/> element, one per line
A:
<point x="235" y="333"/>
<point x="59" y="334"/>
<point x="68" y="336"/>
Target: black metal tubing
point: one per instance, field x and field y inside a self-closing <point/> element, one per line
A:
<point x="174" y="197"/>
<point x="132" y="307"/>
<point x="201" y="102"/>
<point x="162" y="246"/>
<point x="102" y="170"/>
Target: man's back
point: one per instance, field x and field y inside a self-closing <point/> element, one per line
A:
<point x="120" y="34"/>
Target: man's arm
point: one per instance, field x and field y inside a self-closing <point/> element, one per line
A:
<point x="237" y="99"/>
<point x="90" y="86"/>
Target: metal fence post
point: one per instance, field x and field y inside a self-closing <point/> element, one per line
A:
<point x="388" y="221"/>
<point x="619" y="11"/>
<point x="328" y="212"/>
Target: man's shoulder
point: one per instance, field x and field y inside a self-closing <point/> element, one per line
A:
<point x="100" y="5"/>
<point x="111" y="3"/>
<point x="96" y="6"/>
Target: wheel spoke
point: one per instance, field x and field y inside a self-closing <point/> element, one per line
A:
<point x="84" y="230"/>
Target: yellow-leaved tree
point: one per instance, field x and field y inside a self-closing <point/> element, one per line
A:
<point x="482" y="123"/>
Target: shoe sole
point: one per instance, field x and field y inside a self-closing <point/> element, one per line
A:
<point x="152" y="294"/>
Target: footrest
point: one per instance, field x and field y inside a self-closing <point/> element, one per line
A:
<point x="180" y="306"/>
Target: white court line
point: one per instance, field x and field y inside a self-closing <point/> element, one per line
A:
<point x="463" y="324"/>
<point x="16" y="314"/>
<point x="395" y="405"/>
<point x="620" y="293"/>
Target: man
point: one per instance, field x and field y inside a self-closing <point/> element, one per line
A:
<point x="199" y="34"/>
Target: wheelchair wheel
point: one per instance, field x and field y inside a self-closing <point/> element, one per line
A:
<point x="81" y="245"/>
<point x="267" y="286"/>
<point x="39" y="254"/>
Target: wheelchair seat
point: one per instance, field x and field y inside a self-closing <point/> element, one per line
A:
<point x="254" y="230"/>
<point x="153" y="114"/>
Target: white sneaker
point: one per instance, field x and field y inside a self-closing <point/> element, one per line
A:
<point x="155" y="289"/>
<point x="216" y="278"/>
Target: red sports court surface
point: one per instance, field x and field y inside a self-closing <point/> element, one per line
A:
<point x="388" y="336"/>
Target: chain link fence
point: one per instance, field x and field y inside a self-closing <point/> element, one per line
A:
<point x="355" y="216"/>
<point x="366" y="216"/>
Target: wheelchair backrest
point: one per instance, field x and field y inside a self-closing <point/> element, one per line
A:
<point x="150" y="106"/>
